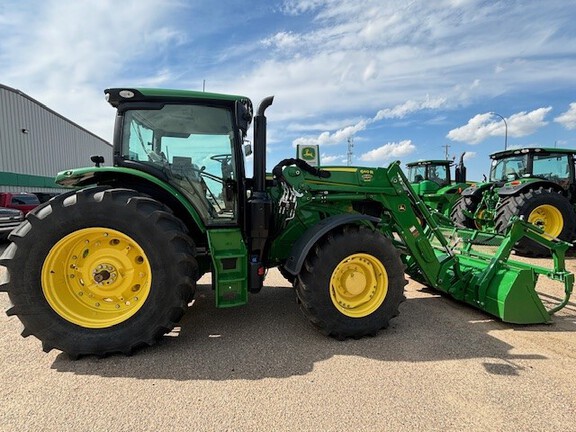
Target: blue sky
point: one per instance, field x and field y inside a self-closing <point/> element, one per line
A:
<point x="403" y="79"/>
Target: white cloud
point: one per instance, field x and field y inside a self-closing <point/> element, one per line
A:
<point x="389" y="151"/>
<point x="475" y="131"/>
<point x="282" y="40"/>
<point x="568" y="118"/>
<point x="326" y="124"/>
<point x="409" y="107"/>
<point x="399" y="111"/>
<point x="469" y="155"/>
<point x="370" y="72"/>
<point x="483" y="126"/>
<point x="526" y="123"/>
<point x="327" y="138"/>
<point x="325" y="159"/>
<point x="297" y="7"/>
<point x="360" y="56"/>
<point x="65" y="54"/>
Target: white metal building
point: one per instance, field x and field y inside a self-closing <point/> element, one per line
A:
<point x="36" y="143"/>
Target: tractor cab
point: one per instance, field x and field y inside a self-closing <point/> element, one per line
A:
<point x="553" y="165"/>
<point x="429" y="176"/>
<point x="195" y="147"/>
<point x="431" y="180"/>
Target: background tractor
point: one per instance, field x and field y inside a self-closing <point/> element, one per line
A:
<point x="535" y="184"/>
<point x="432" y="181"/>
<point x="112" y="265"/>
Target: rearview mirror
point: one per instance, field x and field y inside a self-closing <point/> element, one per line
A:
<point x="247" y="148"/>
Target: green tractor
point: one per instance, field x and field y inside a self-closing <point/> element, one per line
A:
<point x="535" y="184"/>
<point x="432" y="181"/>
<point x="112" y="265"/>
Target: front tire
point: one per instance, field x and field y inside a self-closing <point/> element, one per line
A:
<point x="100" y="271"/>
<point x="351" y="283"/>
<point x="544" y="208"/>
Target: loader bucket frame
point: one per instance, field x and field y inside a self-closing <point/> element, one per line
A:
<point x="492" y="283"/>
<point x="506" y="288"/>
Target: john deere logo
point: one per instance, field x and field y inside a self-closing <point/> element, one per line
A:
<point x="309" y="153"/>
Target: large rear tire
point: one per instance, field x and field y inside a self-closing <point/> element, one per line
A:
<point x="464" y="204"/>
<point x="100" y="271"/>
<point x="544" y="208"/>
<point x="351" y="283"/>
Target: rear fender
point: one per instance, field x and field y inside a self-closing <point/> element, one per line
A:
<point x="311" y="236"/>
<point x="516" y="187"/>
<point x="137" y="180"/>
<point x="452" y="189"/>
<point x="476" y="190"/>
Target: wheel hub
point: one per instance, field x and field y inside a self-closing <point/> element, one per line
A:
<point x="96" y="277"/>
<point x="548" y="218"/>
<point x="104" y="274"/>
<point x="358" y="285"/>
<point x="354" y="282"/>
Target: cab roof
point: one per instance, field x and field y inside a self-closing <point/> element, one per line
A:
<point x="430" y="162"/>
<point x="116" y="96"/>
<point x="530" y="150"/>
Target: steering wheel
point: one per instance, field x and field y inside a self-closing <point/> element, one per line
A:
<point x="224" y="159"/>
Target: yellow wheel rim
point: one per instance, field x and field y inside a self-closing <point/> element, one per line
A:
<point x="96" y="277"/>
<point x="358" y="285"/>
<point x="479" y="217"/>
<point x="548" y="218"/>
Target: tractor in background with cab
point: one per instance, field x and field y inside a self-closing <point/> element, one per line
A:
<point x="433" y="182"/>
<point x="535" y="184"/>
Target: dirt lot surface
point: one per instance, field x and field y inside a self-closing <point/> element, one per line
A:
<point x="442" y="366"/>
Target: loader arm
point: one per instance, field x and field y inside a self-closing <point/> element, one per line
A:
<point x="492" y="283"/>
<point x="435" y="255"/>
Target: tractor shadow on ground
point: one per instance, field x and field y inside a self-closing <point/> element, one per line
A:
<point x="270" y="338"/>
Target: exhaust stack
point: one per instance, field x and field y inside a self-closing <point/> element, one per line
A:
<point x="260" y="145"/>
<point x="259" y="204"/>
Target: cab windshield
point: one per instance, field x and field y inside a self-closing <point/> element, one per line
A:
<point x="416" y="173"/>
<point x="436" y="173"/>
<point x="193" y="145"/>
<point x="509" y="169"/>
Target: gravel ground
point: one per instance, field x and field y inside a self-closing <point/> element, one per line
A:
<point x="441" y="366"/>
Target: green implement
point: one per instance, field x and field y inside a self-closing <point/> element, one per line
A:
<point x="445" y="259"/>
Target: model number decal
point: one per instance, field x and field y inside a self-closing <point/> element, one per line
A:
<point x="367" y="174"/>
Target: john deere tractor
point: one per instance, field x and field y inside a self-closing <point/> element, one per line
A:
<point x="535" y="184"/>
<point x="112" y="265"/>
<point x="432" y="181"/>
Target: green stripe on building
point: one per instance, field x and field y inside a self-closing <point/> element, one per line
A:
<point x="27" y="180"/>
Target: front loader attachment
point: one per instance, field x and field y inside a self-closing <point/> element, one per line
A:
<point x="447" y="259"/>
<point x="512" y="297"/>
<point x="507" y="288"/>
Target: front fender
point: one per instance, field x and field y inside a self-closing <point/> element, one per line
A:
<point x="301" y="248"/>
